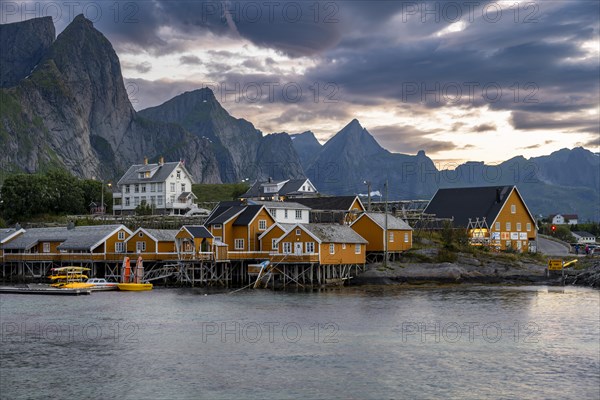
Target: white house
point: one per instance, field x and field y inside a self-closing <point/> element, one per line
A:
<point x="286" y="212"/>
<point x="280" y="190"/>
<point x="584" y="237"/>
<point x="166" y="187"/>
<point x="561" y="219"/>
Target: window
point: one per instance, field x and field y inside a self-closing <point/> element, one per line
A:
<point x="183" y="187"/>
<point x="172" y="187"/>
<point x="298" y="214"/>
<point x="159" y="200"/>
<point x="218" y="226"/>
<point x="126" y="188"/>
<point x="121" y="235"/>
<point x="518" y="227"/>
<point x="136" y="201"/>
<point x="391" y="236"/>
<point x="498" y="226"/>
<point x="153" y="200"/>
<point x="287" y="247"/>
<point x="46" y="247"/>
<point x="285" y="213"/>
<point x="140" y="246"/>
<point x="298" y="232"/>
<point x="513" y="209"/>
<point x="178" y="174"/>
<point x="273" y="212"/>
<point x="528" y="227"/>
<point x="143" y="188"/>
<point x="303" y="188"/>
<point x="508" y="245"/>
<point x="508" y="226"/>
<point x="357" y="248"/>
<point x="119" y="247"/>
<point x="172" y="198"/>
<point x="331" y="248"/>
<point x="141" y="234"/>
<point x="136" y="188"/>
<point x="343" y="246"/>
<point x="127" y="201"/>
<point x="262" y="224"/>
<point x="406" y="237"/>
<point x="274" y="244"/>
<point x="159" y="187"/>
<point x="310" y="247"/>
<point x="218" y="239"/>
<point x="153" y="187"/>
<point x="239" y="244"/>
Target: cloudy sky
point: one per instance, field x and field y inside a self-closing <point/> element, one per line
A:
<point x="474" y="80"/>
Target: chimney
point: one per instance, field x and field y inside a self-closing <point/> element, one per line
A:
<point x="145" y="160"/>
<point x="161" y="160"/>
<point x="498" y="195"/>
<point x="270" y="180"/>
<point x="17" y="226"/>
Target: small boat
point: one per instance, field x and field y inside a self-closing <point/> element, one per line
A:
<point x="44" y="290"/>
<point x="102" y="284"/>
<point x="134" y="287"/>
<point x="69" y="277"/>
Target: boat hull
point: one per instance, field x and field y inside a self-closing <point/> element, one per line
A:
<point x="135" y="287"/>
<point x="45" y="291"/>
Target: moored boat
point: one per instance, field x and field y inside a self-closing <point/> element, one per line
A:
<point x="101" y="284"/>
<point x="134" y="287"/>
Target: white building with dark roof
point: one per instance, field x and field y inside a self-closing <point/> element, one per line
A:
<point x="166" y="187"/>
<point x="280" y="190"/>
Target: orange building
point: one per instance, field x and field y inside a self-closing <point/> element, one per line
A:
<point x="194" y="239"/>
<point x="238" y="225"/>
<point x="333" y="244"/>
<point x="493" y="215"/>
<point x="371" y="226"/>
<point x="152" y="242"/>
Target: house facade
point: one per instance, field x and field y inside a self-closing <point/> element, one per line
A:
<point x="584" y="237"/>
<point x="270" y="190"/>
<point x="371" y="226"/>
<point x="165" y="187"/>
<point x="153" y="242"/>
<point x="492" y="215"/>
<point x="288" y="212"/>
<point x="562" y="219"/>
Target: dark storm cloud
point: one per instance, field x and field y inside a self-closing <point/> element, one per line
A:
<point x="533" y="121"/>
<point x="190" y="60"/>
<point x="408" y="139"/>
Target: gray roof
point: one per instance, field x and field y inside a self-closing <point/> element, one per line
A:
<point x="164" y="170"/>
<point x="280" y="204"/>
<point x="198" y="231"/>
<point x="6" y="233"/>
<point x="392" y="223"/>
<point x="334" y="233"/>
<point x="78" y="238"/>
<point x="582" y="234"/>
<point x="163" y="235"/>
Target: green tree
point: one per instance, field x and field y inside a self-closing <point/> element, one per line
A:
<point x="66" y="194"/>
<point x="143" y="209"/>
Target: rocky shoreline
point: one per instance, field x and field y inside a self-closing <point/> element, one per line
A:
<point x="472" y="270"/>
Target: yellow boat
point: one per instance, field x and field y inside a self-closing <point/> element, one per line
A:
<point x="70" y="277"/>
<point x="134" y="287"/>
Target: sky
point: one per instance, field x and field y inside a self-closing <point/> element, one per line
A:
<point x="464" y="80"/>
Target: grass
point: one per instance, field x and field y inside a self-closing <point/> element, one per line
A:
<point x="207" y="193"/>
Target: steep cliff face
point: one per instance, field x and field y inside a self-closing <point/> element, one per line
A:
<point x="241" y="150"/>
<point x="73" y="111"/>
<point x="23" y="45"/>
<point x="307" y="146"/>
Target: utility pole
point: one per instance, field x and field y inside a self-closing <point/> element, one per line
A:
<point x="385" y="252"/>
<point x="368" y="183"/>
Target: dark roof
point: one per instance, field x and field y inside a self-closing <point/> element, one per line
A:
<point x="222" y="214"/>
<point x="161" y="175"/>
<point x="185" y="195"/>
<point x="280" y="204"/>
<point x="473" y="202"/>
<point x="333" y="203"/>
<point x="198" y="231"/>
<point x="582" y="234"/>
<point x="292" y="186"/>
<point x="247" y="215"/>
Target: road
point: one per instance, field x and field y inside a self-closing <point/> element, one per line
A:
<point x="551" y="248"/>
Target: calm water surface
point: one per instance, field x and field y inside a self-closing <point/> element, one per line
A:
<point x="464" y="342"/>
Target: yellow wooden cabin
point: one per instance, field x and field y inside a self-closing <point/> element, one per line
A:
<point x="153" y="244"/>
<point x="371" y="226"/>
<point x="195" y="241"/>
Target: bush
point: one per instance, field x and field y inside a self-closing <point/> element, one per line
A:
<point x="445" y="255"/>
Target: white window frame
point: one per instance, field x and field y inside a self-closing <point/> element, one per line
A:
<point x="262" y="224"/>
<point x="119" y="247"/>
<point x="406" y="237"/>
<point x="298" y="232"/>
<point x="274" y="245"/>
<point x="513" y="208"/>
<point x="172" y="187"/>
<point x="508" y="226"/>
<point x="298" y="214"/>
<point x="331" y="248"/>
<point x="141" y="248"/>
<point x="310" y="247"/>
<point x="343" y="246"/>
<point x="518" y="227"/>
<point x="218" y="239"/>
<point x="498" y="226"/>
<point x="285" y="214"/>
<point x="46" y="247"/>
<point x="218" y="226"/>
<point x="121" y="235"/>
<point x="287" y="247"/>
<point x="238" y="244"/>
<point x="528" y="227"/>
<point x="391" y="236"/>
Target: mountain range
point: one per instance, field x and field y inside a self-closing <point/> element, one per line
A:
<point x="63" y="104"/>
